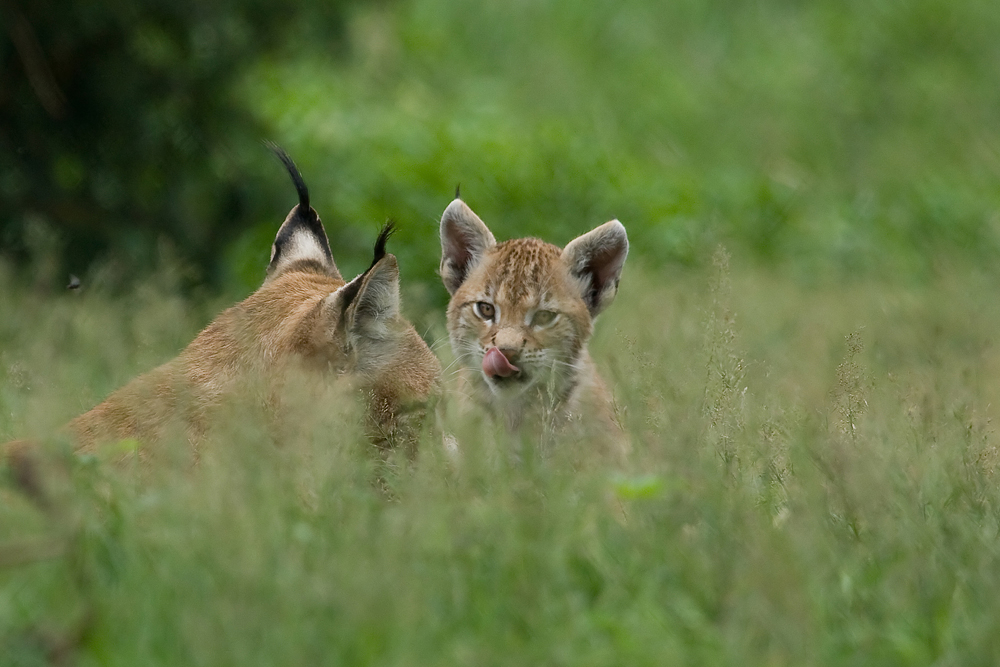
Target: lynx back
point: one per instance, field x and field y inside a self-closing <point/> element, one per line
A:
<point x="305" y="324"/>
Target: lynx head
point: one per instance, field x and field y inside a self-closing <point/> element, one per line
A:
<point x="521" y="311"/>
<point x="353" y="329"/>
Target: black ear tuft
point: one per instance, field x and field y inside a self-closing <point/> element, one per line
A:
<point x="301" y="242"/>
<point x="383" y="237"/>
<point x="351" y="289"/>
<point x="293" y="171"/>
<point x="458" y="191"/>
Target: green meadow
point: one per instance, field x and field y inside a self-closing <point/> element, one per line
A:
<point x="803" y="352"/>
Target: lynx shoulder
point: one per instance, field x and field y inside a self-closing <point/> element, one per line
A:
<point x="305" y="324"/>
<point x="521" y="314"/>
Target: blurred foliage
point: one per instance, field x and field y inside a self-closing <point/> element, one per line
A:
<point x="825" y="136"/>
<point x="119" y="129"/>
<point x="814" y="469"/>
<point x="792" y="497"/>
<point x="829" y="138"/>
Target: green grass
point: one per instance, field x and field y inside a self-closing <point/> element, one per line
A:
<point x="814" y="468"/>
<point x="813" y="481"/>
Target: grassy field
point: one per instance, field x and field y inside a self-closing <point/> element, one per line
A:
<point x="814" y="469"/>
<point x="813" y="481"/>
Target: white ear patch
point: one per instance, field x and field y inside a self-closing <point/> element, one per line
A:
<point x="302" y="245"/>
<point x="301" y="238"/>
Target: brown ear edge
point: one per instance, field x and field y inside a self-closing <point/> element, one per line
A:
<point x="597" y="263"/>
<point x="464" y="239"/>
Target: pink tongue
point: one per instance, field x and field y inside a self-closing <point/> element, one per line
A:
<point x="496" y="364"/>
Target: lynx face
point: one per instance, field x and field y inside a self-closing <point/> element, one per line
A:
<point x="306" y="325"/>
<point x="522" y="311"/>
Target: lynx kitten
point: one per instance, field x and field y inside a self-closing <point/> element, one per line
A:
<point x="520" y="316"/>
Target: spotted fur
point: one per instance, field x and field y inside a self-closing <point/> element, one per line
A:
<point x="536" y="303"/>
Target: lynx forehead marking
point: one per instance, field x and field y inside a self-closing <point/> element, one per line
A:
<point x="527" y="265"/>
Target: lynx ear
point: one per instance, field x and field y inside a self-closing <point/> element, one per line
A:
<point x="301" y="240"/>
<point x="364" y="307"/>
<point x="595" y="261"/>
<point x="464" y="239"/>
<point x="377" y="301"/>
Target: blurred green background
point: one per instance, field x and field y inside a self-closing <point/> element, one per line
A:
<point x="815" y="475"/>
<point x="825" y="138"/>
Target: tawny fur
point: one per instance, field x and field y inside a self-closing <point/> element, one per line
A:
<point x="281" y="328"/>
<point x="305" y="330"/>
<point x="557" y="384"/>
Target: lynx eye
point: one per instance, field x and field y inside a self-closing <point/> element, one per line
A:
<point x="544" y="318"/>
<point x="484" y="310"/>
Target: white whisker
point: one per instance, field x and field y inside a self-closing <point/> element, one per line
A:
<point x="438" y="343"/>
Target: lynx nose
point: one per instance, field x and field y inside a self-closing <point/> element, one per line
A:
<point x="496" y="363"/>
